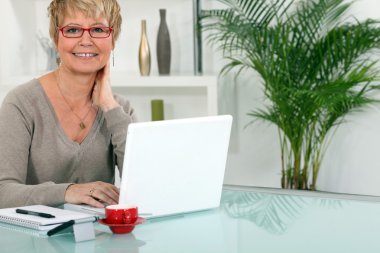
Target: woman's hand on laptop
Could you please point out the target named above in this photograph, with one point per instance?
(94, 194)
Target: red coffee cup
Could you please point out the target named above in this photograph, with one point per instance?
(121, 214)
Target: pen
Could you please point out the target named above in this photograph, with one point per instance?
(60, 227)
(45, 215)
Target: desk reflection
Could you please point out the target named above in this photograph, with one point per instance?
(271, 212)
(105, 242)
(64, 243)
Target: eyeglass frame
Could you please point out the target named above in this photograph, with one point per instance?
(84, 30)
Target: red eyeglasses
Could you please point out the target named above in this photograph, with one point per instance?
(77, 31)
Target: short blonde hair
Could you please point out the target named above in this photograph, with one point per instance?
(109, 9)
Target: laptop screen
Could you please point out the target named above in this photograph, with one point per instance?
(175, 166)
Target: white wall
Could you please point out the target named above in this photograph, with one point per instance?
(352, 162)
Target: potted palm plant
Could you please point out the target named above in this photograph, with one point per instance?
(316, 65)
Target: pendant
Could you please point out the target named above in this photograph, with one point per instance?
(82, 125)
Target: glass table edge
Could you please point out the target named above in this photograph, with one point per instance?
(302, 193)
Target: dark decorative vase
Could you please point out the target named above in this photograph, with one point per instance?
(163, 45)
(144, 51)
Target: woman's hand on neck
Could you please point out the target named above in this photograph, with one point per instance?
(80, 88)
(102, 95)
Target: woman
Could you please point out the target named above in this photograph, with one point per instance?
(63, 133)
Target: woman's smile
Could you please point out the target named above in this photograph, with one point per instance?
(85, 55)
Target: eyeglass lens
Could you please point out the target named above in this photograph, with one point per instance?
(77, 31)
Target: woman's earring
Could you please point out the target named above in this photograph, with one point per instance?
(58, 59)
(113, 60)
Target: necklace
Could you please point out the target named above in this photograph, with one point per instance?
(81, 124)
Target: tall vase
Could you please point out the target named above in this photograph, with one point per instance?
(144, 51)
(163, 45)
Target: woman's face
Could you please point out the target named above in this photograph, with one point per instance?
(84, 55)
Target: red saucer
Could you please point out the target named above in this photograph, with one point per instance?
(122, 228)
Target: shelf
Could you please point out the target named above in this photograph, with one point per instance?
(124, 79)
(186, 89)
(184, 96)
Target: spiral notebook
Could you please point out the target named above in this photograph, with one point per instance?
(9, 216)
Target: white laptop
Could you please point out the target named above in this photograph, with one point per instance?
(175, 166)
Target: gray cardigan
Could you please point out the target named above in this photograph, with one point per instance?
(38, 161)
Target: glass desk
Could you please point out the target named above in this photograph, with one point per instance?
(248, 221)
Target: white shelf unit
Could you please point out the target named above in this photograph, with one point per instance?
(184, 96)
(22, 57)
